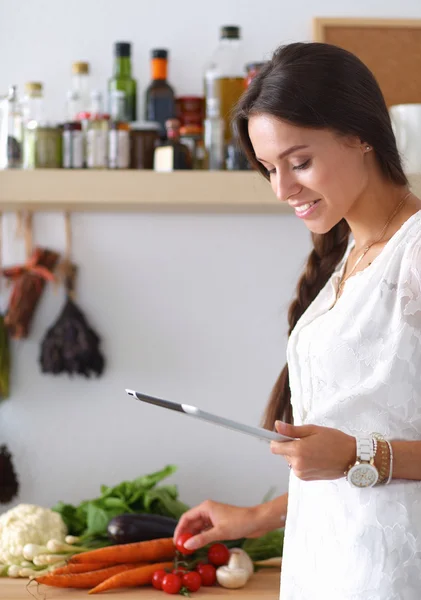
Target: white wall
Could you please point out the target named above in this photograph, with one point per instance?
(192, 307)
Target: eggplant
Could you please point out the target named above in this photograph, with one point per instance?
(140, 527)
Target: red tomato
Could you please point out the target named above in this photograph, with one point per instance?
(207, 573)
(171, 584)
(218, 555)
(157, 578)
(181, 540)
(192, 581)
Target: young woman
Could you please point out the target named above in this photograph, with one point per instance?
(314, 122)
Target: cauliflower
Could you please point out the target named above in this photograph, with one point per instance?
(27, 524)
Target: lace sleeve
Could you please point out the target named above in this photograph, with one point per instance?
(409, 284)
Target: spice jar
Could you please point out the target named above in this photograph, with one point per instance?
(73, 145)
(97, 142)
(190, 110)
(144, 136)
(42, 145)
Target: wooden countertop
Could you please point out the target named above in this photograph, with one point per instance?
(263, 585)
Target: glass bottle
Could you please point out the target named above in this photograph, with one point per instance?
(160, 99)
(33, 102)
(119, 133)
(11, 130)
(122, 79)
(171, 154)
(214, 135)
(224, 77)
(97, 141)
(79, 94)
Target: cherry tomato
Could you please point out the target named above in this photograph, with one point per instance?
(218, 555)
(181, 540)
(192, 581)
(171, 584)
(207, 573)
(157, 578)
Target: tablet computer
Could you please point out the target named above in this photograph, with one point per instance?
(194, 411)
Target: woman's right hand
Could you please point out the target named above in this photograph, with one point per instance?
(213, 521)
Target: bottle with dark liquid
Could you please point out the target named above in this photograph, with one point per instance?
(171, 154)
(160, 99)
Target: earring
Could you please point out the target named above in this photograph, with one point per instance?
(367, 148)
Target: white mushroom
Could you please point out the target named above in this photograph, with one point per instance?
(244, 560)
(237, 572)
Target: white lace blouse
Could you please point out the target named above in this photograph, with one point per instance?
(357, 367)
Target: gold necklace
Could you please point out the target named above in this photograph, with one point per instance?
(367, 248)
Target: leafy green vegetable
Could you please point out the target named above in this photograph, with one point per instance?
(268, 546)
(90, 519)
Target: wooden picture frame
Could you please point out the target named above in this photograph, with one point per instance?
(391, 48)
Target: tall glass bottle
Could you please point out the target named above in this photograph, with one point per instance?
(33, 102)
(214, 135)
(160, 98)
(122, 79)
(78, 95)
(224, 77)
(11, 130)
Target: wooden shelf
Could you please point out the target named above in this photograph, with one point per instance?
(125, 191)
(89, 190)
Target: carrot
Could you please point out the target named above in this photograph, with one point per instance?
(149, 551)
(82, 580)
(82, 568)
(132, 578)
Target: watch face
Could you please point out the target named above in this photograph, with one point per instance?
(363, 476)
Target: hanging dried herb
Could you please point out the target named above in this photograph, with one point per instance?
(9, 485)
(29, 282)
(71, 345)
(4, 360)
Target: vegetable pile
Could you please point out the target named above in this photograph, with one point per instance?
(124, 538)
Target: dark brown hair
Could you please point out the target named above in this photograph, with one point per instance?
(319, 86)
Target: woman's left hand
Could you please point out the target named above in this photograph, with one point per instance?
(317, 453)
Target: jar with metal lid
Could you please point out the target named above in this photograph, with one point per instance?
(42, 145)
(144, 136)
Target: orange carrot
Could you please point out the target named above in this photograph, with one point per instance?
(150, 551)
(82, 580)
(132, 578)
(82, 568)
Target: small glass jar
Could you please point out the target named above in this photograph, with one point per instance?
(144, 136)
(73, 145)
(42, 145)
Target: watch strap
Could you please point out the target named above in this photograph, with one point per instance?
(365, 450)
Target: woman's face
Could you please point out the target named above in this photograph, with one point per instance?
(309, 166)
